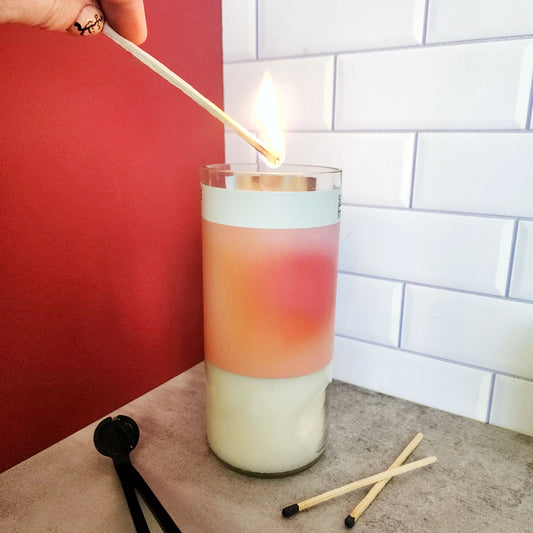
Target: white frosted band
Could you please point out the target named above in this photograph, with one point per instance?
(270, 209)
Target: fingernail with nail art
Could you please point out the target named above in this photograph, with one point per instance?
(90, 21)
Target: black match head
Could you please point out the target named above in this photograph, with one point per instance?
(290, 510)
(349, 521)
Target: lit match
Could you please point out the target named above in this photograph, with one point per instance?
(163, 71)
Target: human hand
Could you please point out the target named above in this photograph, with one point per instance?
(79, 17)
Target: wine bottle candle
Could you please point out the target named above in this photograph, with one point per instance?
(270, 247)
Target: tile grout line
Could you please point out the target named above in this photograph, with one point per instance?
(511, 259)
(429, 211)
(491, 396)
(403, 131)
(256, 30)
(530, 106)
(400, 131)
(257, 157)
(415, 46)
(434, 357)
(413, 170)
(396, 131)
(402, 311)
(435, 287)
(334, 100)
(425, 27)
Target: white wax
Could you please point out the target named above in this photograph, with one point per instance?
(267, 426)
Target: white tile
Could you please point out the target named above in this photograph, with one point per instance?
(522, 277)
(471, 86)
(238, 30)
(488, 332)
(456, 251)
(304, 89)
(376, 167)
(475, 172)
(454, 388)
(237, 150)
(368, 308)
(302, 27)
(450, 20)
(512, 404)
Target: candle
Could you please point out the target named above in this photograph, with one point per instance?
(267, 425)
(270, 246)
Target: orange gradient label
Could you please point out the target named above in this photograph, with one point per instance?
(269, 298)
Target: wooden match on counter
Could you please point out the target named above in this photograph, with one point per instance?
(324, 497)
(172, 78)
(377, 488)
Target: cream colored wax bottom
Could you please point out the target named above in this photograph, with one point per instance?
(267, 425)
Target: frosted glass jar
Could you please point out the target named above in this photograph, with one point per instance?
(270, 247)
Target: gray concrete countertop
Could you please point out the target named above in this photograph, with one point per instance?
(482, 482)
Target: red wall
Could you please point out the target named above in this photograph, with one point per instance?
(100, 287)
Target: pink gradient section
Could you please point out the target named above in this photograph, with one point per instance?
(269, 298)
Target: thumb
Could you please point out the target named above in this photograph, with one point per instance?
(81, 17)
(89, 21)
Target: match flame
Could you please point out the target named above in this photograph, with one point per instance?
(267, 115)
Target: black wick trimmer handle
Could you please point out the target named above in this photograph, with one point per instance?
(115, 438)
(164, 519)
(124, 474)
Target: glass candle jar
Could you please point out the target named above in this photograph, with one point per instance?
(270, 246)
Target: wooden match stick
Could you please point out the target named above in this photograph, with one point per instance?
(315, 500)
(191, 92)
(377, 488)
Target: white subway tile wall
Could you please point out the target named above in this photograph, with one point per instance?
(486, 332)
(304, 89)
(508, 393)
(300, 27)
(238, 151)
(488, 173)
(412, 377)
(438, 249)
(450, 20)
(380, 164)
(238, 27)
(479, 85)
(522, 280)
(376, 317)
(426, 106)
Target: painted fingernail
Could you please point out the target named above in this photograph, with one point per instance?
(90, 21)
